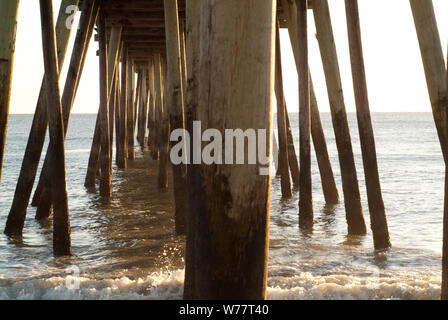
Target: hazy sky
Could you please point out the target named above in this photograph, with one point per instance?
(394, 69)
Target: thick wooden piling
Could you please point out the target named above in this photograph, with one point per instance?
(283, 164)
(434, 65)
(437, 83)
(329, 188)
(195, 196)
(175, 103)
(378, 220)
(122, 130)
(81, 45)
(352, 198)
(131, 115)
(61, 220)
(231, 251)
(164, 128)
(305, 196)
(36, 138)
(8, 27)
(105, 180)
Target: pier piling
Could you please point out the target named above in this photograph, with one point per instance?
(61, 220)
(352, 198)
(8, 27)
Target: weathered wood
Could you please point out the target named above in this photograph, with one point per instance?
(437, 83)
(122, 130)
(61, 220)
(305, 196)
(175, 104)
(164, 133)
(94, 159)
(112, 107)
(143, 109)
(130, 106)
(138, 104)
(444, 295)
(105, 180)
(444, 286)
(152, 111)
(320, 146)
(195, 195)
(8, 27)
(183, 57)
(378, 220)
(231, 251)
(283, 164)
(434, 66)
(36, 138)
(81, 46)
(352, 197)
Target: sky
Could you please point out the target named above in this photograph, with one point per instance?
(395, 76)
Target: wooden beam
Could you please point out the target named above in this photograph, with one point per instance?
(8, 26)
(174, 99)
(378, 220)
(61, 220)
(36, 138)
(352, 198)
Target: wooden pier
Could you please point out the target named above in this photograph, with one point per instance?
(164, 64)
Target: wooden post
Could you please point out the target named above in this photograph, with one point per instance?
(437, 83)
(112, 104)
(444, 287)
(143, 109)
(112, 57)
(320, 146)
(94, 156)
(61, 220)
(131, 115)
(175, 103)
(138, 104)
(105, 180)
(8, 27)
(194, 179)
(36, 139)
(444, 290)
(434, 65)
(81, 46)
(352, 197)
(283, 165)
(152, 111)
(378, 220)
(164, 127)
(231, 251)
(122, 132)
(306, 196)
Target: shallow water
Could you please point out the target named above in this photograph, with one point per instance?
(128, 249)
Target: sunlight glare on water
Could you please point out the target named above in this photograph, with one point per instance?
(128, 249)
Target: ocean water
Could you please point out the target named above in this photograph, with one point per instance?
(128, 249)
